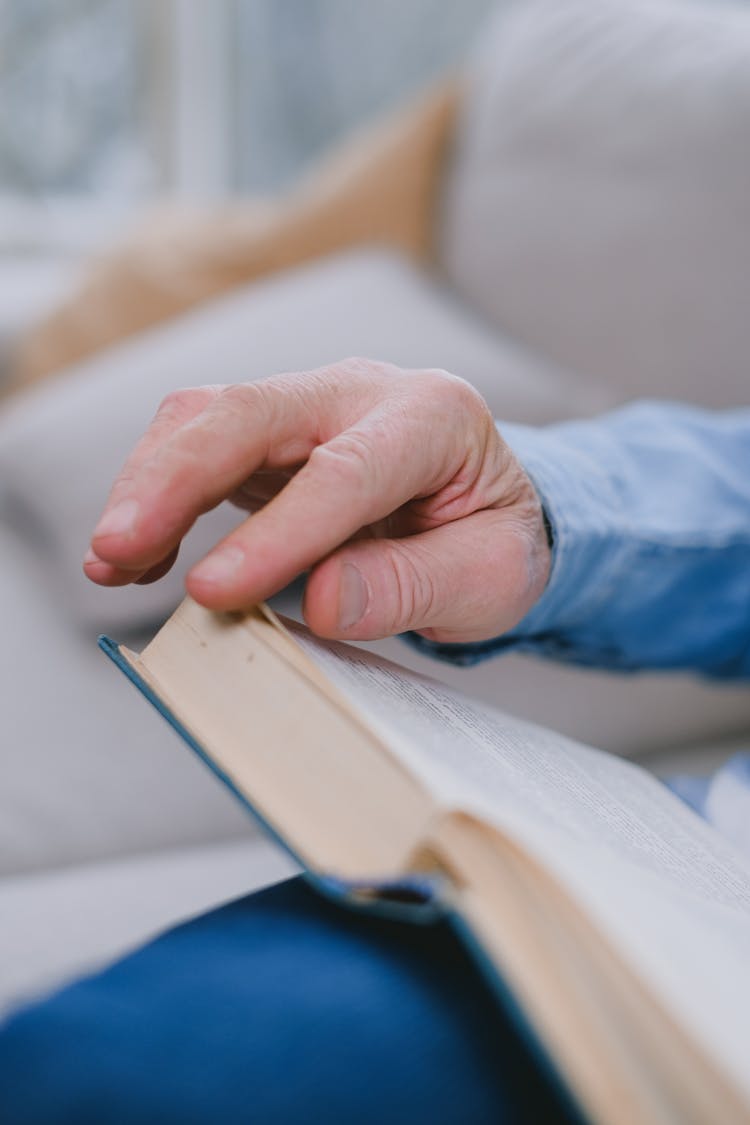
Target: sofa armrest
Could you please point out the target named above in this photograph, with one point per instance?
(378, 187)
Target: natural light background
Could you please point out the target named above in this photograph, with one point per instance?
(105, 104)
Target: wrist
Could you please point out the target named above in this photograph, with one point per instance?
(580, 504)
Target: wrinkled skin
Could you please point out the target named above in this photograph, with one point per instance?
(393, 488)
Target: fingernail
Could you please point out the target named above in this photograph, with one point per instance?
(220, 566)
(352, 597)
(90, 557)
(120, 520)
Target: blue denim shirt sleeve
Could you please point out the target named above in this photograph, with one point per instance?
(650, 511)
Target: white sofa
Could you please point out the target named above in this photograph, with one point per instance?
(595, 247)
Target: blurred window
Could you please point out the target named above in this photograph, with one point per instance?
(308, 70)
(72, 87)
(117, 100)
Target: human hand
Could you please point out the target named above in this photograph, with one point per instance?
(393, 487)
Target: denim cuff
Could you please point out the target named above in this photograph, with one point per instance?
(581, 504)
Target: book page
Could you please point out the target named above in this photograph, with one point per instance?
(668, 891)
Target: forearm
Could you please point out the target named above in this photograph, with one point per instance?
(377, 187)
(650, 511)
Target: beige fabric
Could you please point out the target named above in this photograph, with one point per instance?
(88, 768)
(598, 208)
(378, 188)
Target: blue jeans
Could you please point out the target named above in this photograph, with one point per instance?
(281, 1007)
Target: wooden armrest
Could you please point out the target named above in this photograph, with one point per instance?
(380, 187)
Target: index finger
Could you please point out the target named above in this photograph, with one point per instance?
(175, 474)
(359, 477)
(175, 411)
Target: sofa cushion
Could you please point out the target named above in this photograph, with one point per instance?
(31, 285)
(597, 208)
(62, 443)
(88, 769)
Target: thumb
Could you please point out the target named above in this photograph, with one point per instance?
(464, 581)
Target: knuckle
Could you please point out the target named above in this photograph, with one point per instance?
(348, 459)
(175, 402)
(456, 392)
(341, 377)
(243, 396)
(360, 369)
(357, 366)
(470, 400)
(414, 587)
(184, 401)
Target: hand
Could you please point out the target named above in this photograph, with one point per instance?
(393, 487)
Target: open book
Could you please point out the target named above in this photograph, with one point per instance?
(609, 918)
